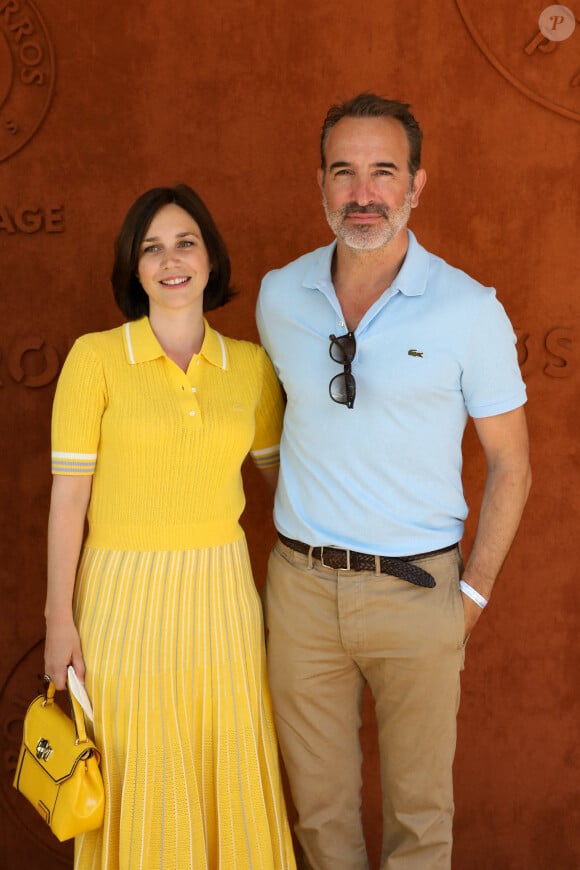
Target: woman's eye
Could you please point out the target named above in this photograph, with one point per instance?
(185, 243)
(151, 249)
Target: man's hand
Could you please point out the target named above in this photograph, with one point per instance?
(472, 613)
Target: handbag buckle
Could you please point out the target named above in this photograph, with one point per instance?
(43, 749)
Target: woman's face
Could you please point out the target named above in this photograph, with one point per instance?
(173, 265)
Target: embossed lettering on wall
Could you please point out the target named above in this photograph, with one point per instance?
(29, 361)
(34, 362)
(31, 219)
(535, 47)
(551, 351)
(26, 74)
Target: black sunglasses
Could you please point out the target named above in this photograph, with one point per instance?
(342, 387)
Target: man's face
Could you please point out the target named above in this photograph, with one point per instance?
(367, 191)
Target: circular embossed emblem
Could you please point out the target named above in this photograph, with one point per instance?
(512, 37)
(20, 688)
(26, 74)
(557, 23)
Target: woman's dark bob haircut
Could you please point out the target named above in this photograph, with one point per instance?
(129, 294)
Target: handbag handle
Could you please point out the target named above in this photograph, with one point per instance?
(78, 716)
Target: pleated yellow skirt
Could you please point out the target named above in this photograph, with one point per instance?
(174, 650)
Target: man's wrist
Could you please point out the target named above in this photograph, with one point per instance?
(472, 593)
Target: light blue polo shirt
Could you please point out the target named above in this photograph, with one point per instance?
(385, 476)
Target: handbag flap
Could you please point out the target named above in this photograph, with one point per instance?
(50, 737)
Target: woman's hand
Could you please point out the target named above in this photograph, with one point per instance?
(68, 507)
(63, 648)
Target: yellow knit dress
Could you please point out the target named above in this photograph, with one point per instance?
(168, 614)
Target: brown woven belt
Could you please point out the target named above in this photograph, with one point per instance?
(350, 560)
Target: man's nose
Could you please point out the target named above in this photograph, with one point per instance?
(362, 191)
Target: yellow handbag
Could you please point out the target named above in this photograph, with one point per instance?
(58, 767)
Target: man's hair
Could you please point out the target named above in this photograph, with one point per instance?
(372, 106)
(129, 294)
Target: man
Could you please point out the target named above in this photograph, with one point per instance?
(383, 351)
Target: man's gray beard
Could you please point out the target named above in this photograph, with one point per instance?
(367, 237)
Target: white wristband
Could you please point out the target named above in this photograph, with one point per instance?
(472, 593)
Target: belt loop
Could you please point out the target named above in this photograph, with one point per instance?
(377, 565)
(310, 565)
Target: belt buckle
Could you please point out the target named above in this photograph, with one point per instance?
(324, 565)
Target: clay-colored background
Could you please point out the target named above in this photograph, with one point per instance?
(229, 96)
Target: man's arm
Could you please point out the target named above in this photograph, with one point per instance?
(504, 439)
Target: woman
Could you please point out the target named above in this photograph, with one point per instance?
(151, 424)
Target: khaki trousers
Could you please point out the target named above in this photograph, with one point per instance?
(331, 631)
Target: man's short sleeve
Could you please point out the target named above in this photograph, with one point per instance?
(491, 379)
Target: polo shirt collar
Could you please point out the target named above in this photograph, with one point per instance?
(412, 277)
(141, 344)
(319, 277)
(411, 280)
(213, 348)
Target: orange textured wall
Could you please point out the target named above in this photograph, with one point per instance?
(99, 101)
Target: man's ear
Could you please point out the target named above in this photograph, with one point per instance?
(418, 184)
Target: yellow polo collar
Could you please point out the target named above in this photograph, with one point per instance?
(141, 345)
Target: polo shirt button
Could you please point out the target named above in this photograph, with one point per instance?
(192, 413)
(194, 389)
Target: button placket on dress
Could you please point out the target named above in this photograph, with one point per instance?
(189, 395)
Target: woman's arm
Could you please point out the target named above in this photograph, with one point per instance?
(270, 475)
(68, 508)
